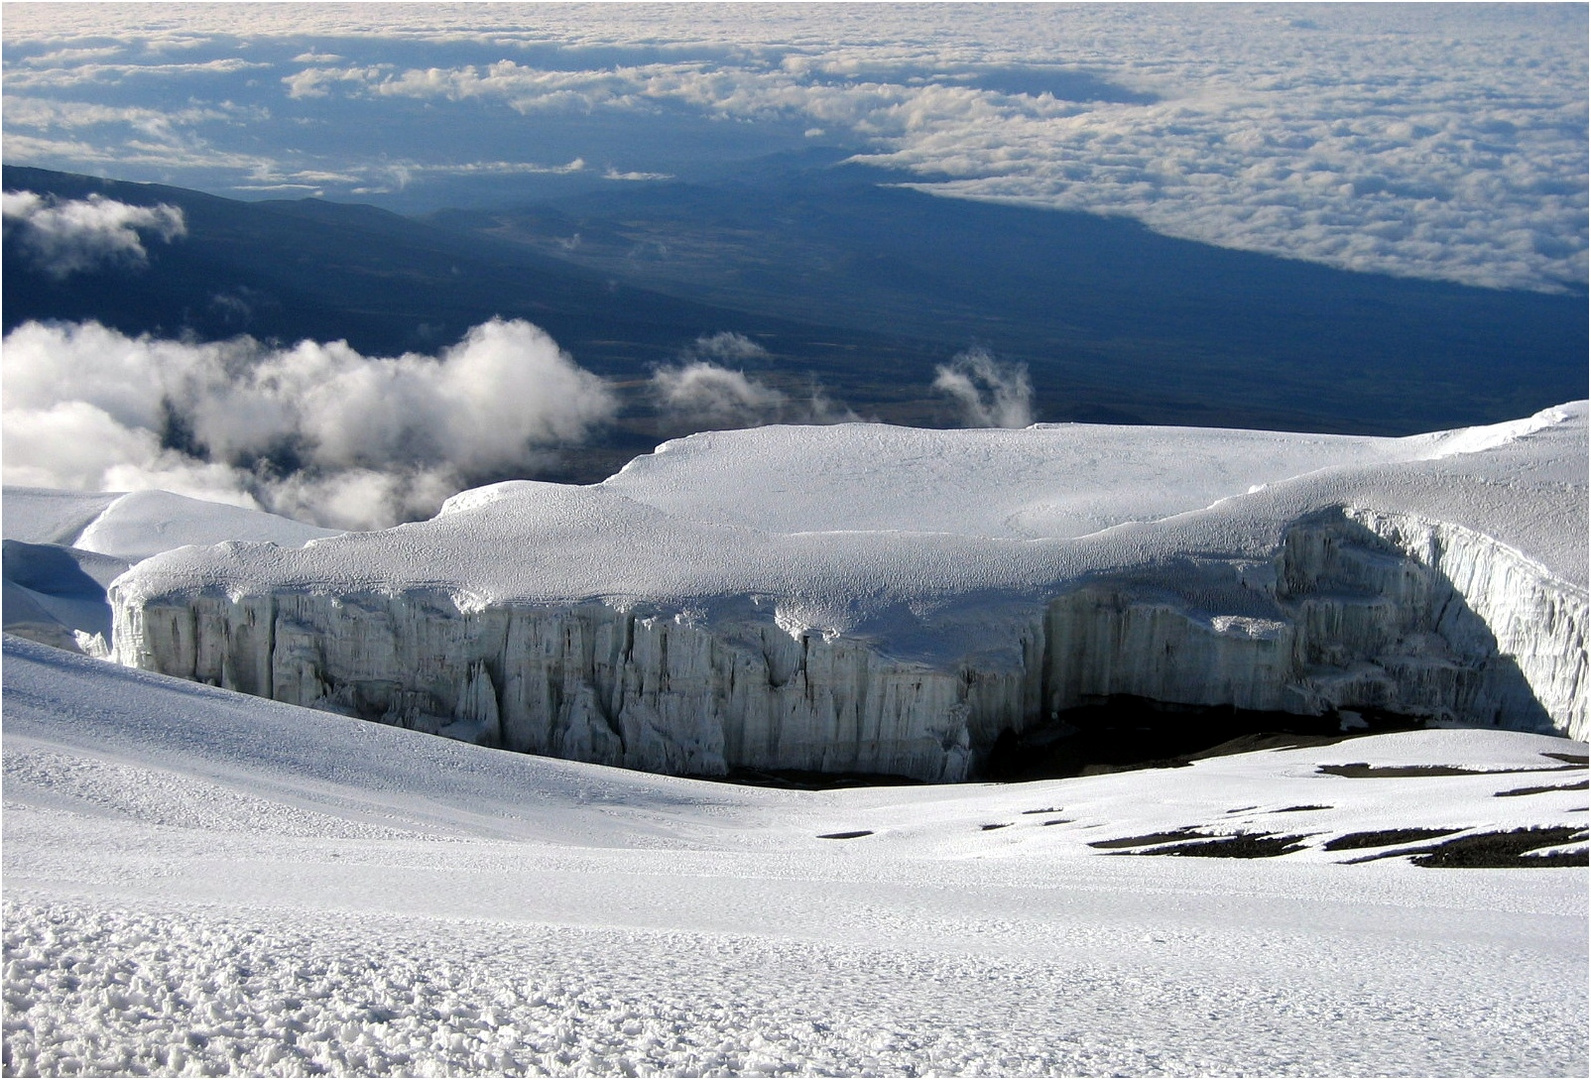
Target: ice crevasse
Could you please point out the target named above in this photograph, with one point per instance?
(865, 598)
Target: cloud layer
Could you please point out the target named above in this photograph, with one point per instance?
(1444, 141)
(322, 433)
(64, 238)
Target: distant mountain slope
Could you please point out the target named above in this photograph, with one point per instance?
(1082, 299)
(844, 280)
(291, 270)
(328, 271)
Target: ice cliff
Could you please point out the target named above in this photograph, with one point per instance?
(874, 599)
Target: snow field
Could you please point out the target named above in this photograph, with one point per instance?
(96, 988)
(135, 525)
(966, 514)
(204, 883)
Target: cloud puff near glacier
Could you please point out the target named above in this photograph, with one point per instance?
(315, 431)
(986, 392)
(1438, 141)
(322, 433)
(700, 392)
(64, 237)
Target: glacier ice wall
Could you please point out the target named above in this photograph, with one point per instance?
(587, 682)
(1357, 609)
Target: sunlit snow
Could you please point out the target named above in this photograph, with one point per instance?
(198, 880)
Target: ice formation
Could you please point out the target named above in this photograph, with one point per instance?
(877, 599)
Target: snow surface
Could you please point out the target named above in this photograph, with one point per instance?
(890, 600)
(137, 524)
(852, 520)
(201, 881)
(64, 547)
(1049, 480)
(49, 516)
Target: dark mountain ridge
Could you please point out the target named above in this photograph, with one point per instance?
(858, 285)
(1082, 299)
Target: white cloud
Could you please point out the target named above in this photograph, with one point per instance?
(319, 82)
(986, 392)
(497, 168)
(79, 75)
(727, 345)
(705, 394)
(117, 157)
(615, 174)
(74, 444)
(316, 430)
(1444, 141)
(64, 238)
(47, 113)
(700, 392)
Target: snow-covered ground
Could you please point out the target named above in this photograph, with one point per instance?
(62, 548)
(200, 881)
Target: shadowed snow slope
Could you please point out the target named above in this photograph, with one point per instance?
(138, 524)
(197, 879)
(62, 548)
(867, 598)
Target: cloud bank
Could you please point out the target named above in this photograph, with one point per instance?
(322, 433)
(1442, 141)
(64, 238)
(316, 431)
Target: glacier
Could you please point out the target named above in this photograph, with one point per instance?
(863, 598)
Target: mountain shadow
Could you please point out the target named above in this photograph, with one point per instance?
(1116, 322)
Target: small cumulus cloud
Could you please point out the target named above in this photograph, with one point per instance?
(986, 392)
(67, 237)
(316, 431)
(707, 394)
(728, 345)
(615, 174)
(702, 392)
(316, 82)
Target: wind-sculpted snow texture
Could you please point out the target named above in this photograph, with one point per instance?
(866, 598)
(202, 883)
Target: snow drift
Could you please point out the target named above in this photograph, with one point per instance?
(875, 599)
